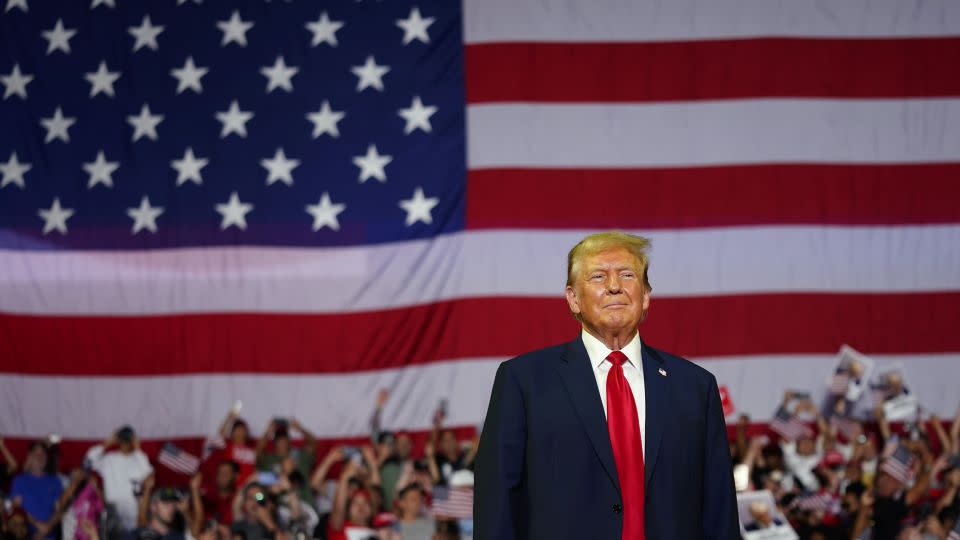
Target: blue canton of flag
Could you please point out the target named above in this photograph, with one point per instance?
(172, 124)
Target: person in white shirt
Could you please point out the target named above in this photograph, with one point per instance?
(122, 470)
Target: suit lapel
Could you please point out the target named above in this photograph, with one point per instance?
(655, 387)
(581, 384)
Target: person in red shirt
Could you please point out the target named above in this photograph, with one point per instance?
(354, 509)
(234, 440)
(218, 501)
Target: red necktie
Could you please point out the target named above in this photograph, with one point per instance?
(623, 423)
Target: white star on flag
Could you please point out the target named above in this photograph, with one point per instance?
(145, 216)
(58, 37)
(417, 116)
(324, 30)
(370, 74)
(13, 171)
(234, 120)
(279, 75)
(188, 77)
(100, 171)
(234, 212)
(372, 165)
(55, 218)
(325, 120)
(189, 167)
(415, 27)
(102, 80)
(280, 168)
(325, 213)
(145, 34)
(145, 124)
(57, 126)
(15, 83)
(418, 207)
(108, 3)
(22, 4)
(234, 30)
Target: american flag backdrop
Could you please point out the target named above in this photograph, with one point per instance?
(296, 203)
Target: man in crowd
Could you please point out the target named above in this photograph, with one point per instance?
(413, 521)
(279, 432)
(254, 513)
(38, 491)
(162, 521)
(122, 470)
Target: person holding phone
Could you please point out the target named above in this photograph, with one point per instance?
(272, 460)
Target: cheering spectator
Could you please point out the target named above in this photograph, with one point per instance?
(233, 439)
(413, 521)
(393, 452)
(38, 491)
(354, 507)
(15, 524)
(218, 503)
(279, 432)
(7, 467)
(801, 456)
(163, 517)
(122, 470)
(447, 458)
(254, 513)
(86, 504)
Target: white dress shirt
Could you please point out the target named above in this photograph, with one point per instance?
(632, 371)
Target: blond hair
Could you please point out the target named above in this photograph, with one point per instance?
(606, 241)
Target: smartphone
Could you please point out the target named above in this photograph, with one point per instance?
(237, 405)
(266, 478)
(351, 453)
(54, 439)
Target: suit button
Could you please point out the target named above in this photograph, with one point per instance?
(617, 509)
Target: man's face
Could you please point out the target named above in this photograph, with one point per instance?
(404, 446)
(806, 446)
(163, 511)
(281, 445)
(411, 502)
(448, 442)
(360, 511)
(850, 503)
(226, 478)
(887, 486)
(239, 434)
(36, 459)
(250, 502)
(608, 292)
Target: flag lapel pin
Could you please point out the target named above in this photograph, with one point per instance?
(662, 372)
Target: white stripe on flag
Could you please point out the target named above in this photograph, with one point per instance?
(687, 134)
(340, 405)
(306, 280)
(657, 20)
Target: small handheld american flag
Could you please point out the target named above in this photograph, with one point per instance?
(452, 502)
(787, 425)
(899, 463)
(178, 460)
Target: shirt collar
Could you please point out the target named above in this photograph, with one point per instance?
(598, 351)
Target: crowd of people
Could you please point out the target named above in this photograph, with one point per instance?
(247, 489)
(851, 479)
(828, 481)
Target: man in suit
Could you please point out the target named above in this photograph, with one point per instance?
(604, 437)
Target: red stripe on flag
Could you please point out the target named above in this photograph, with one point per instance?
(467, 328)
(714, 69)
(714, 196)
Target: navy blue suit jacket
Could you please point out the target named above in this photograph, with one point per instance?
(545, 467)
